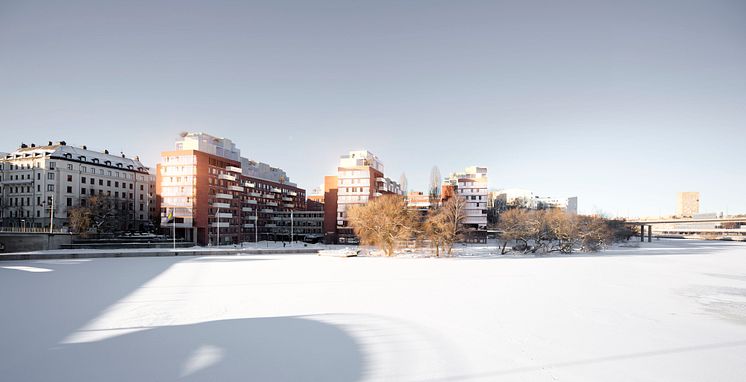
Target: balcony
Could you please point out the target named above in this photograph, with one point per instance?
(270, 225)
(293, 193)
(226, 215)
(267, 210)
(285, 198)
(288, 205)
(276, 190)
(248, 225)
(255, 194)
(272, 204)
(220, 225)
(250, 201)
(235, 188)
(234, 169)
(247, 209)
(224, 196)
(250, 185)
(221, 205)
(227, 177)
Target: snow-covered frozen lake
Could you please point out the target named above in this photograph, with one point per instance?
(667, 311)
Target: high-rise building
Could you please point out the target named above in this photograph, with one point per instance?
(359, 178)
(471, 185)
(37, 182)
(687, 203)
(216, 196)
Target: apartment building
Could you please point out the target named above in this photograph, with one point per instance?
(39, 184)
(471, 185)
(360, 177)
(216, 196)
(687, 203)
(516, 197)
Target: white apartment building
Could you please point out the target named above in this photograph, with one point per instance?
(527, 199)
(206, 143)
(38, 181)
(471, 185)
(359, 178)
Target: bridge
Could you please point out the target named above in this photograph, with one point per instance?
(649, 223)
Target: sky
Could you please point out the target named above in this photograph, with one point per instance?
(620, 103)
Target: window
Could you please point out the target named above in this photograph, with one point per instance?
(100, 182)
(52, 165)
(82, 180)
(93, 181)
(50, 187)
(38, 176)
(69, 202)
(82, 190)
(69, 178)
(69, 189)
(50, 175)
(116, 184)
(70, 167)
(108, 183)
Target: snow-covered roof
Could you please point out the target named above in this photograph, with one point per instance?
(79, 154)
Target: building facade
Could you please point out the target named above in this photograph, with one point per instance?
(360, 178)
(40, 184)
(687, 204)
(471, 185)
(215, 196)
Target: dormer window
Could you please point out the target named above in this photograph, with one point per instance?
(108, 163)
(119, 165)
(129, 167)
(68, 156)
(94, 160)
(82, 158)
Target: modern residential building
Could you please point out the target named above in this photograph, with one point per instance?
(39, 184)
(216, 196)
(360, 177)
(298, 225)
(471, 185)
(516, 197)
(687, 203)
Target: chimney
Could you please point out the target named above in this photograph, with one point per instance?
(33, 145)
(122, 154)
(85, 147)
(50, 143)
(23, 145)
(106, 151)
(63, 143)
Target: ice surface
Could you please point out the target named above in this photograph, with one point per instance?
(667, 310)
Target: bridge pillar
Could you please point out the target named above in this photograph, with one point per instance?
(642, 233)
(650, 234)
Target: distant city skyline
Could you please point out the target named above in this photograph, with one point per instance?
(620, 104)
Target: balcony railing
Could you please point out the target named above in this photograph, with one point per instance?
(227, 177)
(250, 201)
(255, 194)
(236, 188)
(233, 169)
(221, 224)
(221, 205)
(227, 215)
(248, 225)
(224, 196)
(247, 209)
(273, 204)
(285, 198)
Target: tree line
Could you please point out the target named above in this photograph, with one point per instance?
(386, 221)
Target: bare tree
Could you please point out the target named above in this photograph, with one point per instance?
(79, 219)
(450, 222)
(383, 222)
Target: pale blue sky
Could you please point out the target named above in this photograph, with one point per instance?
(622, 103)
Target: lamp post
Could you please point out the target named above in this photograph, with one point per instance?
(291, 227)
(51, 215)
